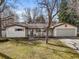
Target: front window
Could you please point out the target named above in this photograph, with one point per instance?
(38, 30)
(18, 29)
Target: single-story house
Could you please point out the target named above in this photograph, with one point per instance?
(38, 30)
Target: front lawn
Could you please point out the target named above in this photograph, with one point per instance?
(36, 50)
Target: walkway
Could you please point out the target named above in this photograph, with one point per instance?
(73, 43)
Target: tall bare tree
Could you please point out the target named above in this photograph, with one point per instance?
(34, 13)
(51, 7)
(40, 19)
(72, 11)
(2, 6)
(27, 15)
(74, 4)
(30, 14)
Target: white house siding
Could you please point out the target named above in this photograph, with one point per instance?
(10, 31)
(68, 31)
(3, 33)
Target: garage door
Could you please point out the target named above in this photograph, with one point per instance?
(65, 32)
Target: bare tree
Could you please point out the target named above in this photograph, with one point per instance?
(40, 19)
(3, 4)
(37, 15)
(74, 4)
(27, 15)
(30, 14)
(51, 7)
(34, 13)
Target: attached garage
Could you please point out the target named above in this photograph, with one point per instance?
(65, 30)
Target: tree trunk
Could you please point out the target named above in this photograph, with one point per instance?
(0, 27)
(47, 36)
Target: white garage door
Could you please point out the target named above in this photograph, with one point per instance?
(65, 32)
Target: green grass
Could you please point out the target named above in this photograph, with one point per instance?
(36, 50)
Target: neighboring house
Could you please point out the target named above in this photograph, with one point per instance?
(65, 30)
(39, 30)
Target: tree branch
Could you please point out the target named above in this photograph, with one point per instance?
(55, 14)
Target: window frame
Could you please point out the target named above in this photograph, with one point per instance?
(19, 29)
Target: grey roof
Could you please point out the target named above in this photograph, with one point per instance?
(27, 25)
(14, 24)
(34, 25)
(37, 25)
(56, 25)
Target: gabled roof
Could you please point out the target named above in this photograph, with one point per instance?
(56, 25)
(35, 25)
(63, 25)
(15, 25)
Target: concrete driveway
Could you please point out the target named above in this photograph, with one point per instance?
(73, 43)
